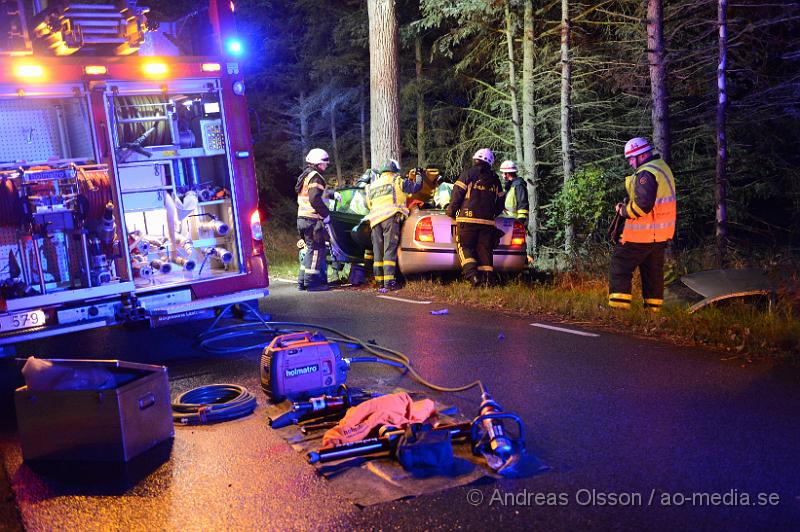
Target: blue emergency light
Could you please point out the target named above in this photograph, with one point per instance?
(234, 47)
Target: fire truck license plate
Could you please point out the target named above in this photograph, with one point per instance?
(22, 320)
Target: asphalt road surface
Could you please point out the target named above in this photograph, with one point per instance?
(638, 434)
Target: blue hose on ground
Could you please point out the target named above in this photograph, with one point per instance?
(251, 328)
(213, 404)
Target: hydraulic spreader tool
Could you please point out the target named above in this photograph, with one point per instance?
(501, 447)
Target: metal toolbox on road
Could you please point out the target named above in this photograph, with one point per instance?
(114, 424)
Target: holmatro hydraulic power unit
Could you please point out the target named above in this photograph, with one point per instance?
(301, 365)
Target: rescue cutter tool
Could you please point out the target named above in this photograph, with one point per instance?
(490, 437)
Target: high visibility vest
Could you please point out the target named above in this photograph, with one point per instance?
(304, 208)
(510, 208)
(659, 224)
(385, 198)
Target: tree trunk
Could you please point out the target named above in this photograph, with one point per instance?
(363, 124)
(566, 112)
(421, 159)
(722, 142)
(529, 130)
(658, 77)
(512, 79)
(383, 74)
(302, 100)
(335, 145)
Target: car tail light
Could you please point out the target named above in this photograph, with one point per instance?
(256, 232)
(518, 235)
(423, 232)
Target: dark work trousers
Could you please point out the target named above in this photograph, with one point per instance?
(314, 269)
(649, 258)
(475, 244)
(385, 239)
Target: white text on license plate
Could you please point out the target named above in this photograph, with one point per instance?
(22, 320)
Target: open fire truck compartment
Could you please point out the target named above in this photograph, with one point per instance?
(127, 183)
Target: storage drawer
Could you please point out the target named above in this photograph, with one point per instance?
(143, 201)
(143, 176)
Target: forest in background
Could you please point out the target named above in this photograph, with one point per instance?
(307, 72)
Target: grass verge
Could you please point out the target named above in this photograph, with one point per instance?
(280, 247)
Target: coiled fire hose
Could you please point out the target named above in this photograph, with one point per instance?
(213, 404)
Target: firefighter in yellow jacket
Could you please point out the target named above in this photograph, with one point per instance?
(386, 198)
(516, 193)
(650, 213)
(312, 217)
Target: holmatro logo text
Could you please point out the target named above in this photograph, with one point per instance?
(305, 370)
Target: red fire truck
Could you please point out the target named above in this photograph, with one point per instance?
(127, 181)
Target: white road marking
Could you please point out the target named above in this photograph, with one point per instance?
(406, 300)
(561, 329)
(283, 280)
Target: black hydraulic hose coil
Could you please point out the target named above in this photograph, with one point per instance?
(214, 403)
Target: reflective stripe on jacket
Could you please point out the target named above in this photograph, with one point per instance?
(387, 195)
(305, 209)
(657, 225)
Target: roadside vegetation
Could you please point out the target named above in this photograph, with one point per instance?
(745, 329)
(280, 246)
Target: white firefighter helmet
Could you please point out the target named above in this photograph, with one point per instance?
(317, 156)
(485, 155)
(637, 146)
(508, 167)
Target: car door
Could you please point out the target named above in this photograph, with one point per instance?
(350, 233)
